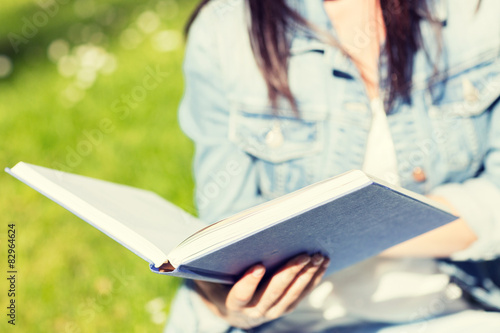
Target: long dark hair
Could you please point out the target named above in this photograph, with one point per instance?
(272, 19)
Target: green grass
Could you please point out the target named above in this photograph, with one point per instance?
(71, 277)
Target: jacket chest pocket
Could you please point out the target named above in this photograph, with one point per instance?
(285, 147)
(460, 113)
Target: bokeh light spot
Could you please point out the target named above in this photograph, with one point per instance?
(167, 9)
(148, 22)
(159, 318)
(167, 40)
(156, 309)
(130, 38)
(67, 66)
(110, 64)
(84, 8)
(73, 94)
(57, 49)
(5, 66)
(85, 78)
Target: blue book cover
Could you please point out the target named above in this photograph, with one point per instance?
(348, 230)
(349, 218)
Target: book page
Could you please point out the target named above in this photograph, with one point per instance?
(132, 216)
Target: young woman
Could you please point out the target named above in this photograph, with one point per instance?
(281, 94)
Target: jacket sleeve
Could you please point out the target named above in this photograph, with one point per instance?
(477, 200)
(225, 176)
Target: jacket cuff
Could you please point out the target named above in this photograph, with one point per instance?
(477, 201)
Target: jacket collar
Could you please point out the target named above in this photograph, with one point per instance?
(314, 11)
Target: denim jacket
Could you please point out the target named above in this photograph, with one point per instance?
(447, 140)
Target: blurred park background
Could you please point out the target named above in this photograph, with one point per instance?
(76, 94)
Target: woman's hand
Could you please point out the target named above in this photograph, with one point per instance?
(250, 303)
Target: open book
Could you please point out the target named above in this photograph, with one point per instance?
(349, 218)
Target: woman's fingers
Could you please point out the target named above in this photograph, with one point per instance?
(249, 303)
(312, 284)
(298, 288)
(243, 291)
(279, 283)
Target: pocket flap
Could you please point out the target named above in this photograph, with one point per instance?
(302, 44)
(470, 93)
(277, 137)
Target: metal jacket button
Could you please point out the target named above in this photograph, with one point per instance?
(274, 138)
(471, 94)
(419, 175)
